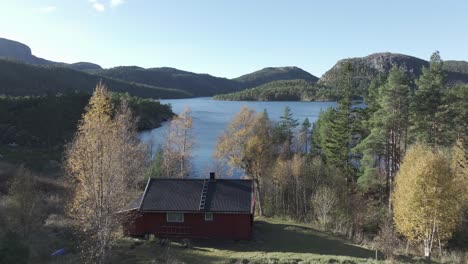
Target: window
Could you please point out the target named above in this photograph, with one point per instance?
(175, 217)
(208, 216)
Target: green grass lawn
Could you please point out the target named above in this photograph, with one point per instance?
(274, 241)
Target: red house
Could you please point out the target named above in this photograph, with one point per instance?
(193, 208)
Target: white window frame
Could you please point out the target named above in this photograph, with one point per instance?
(177, 219)
(208, 218)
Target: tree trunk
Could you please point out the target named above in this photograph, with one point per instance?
(259, 199)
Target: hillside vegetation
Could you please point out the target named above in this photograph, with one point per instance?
(19, 79)
(286, 90)
(270, 74)
(49, 121)
(194, 83)
(456, 66)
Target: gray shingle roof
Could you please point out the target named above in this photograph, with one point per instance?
(224, 195)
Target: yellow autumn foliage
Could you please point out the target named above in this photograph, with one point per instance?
(103, 162)
(426, 198)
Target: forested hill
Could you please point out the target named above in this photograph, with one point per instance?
(20, 79)
(270, 74)
(194, 83)
(10, 49)
(367, 68)
(286, 90)
(456, 66)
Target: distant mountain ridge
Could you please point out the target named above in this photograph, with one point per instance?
(21, 79)
(203, 84)
(10, 49)
(194, 83)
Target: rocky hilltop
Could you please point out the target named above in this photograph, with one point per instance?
(368, 67)
(13, 50)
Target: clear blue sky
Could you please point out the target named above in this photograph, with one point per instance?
(231, 38)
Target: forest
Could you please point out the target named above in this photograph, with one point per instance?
(284, 90)
(38, 127)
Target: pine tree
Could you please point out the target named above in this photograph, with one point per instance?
(394, 113)
(304, 134)
(386, 143)
(338, 142)
(321, 129)
(428, 113)
(457, 113)
(285, 126)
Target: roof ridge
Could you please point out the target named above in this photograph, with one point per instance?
(144, 193)
(199, 179)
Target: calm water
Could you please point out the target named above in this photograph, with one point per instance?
(211, 117)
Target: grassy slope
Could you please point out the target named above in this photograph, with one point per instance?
(274, 240)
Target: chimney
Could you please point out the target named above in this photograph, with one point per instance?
(212, 176)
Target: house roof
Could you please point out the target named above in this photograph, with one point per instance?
(222, 195)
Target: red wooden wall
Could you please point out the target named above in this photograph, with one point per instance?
(223, 226)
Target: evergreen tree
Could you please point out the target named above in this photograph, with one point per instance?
(304, 134)
(384, 147)
(457, 117)
(372, 98)
(338, 142)
(427, 109)
(284, 131)
(321, 129)
(286, 125)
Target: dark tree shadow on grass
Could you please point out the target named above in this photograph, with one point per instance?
(272, 237)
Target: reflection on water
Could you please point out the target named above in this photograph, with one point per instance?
(211, 117)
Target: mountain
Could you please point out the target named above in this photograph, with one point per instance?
(270, 74)
(456, 66)
(369, 67)
(283, 90)
(194, 83)
(83, 66)
(10, 49)
(20, 79)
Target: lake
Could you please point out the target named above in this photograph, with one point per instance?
(211, 117)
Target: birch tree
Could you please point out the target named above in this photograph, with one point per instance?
(427, 201)
(103, 162)
(247, 145)
(178, 146)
